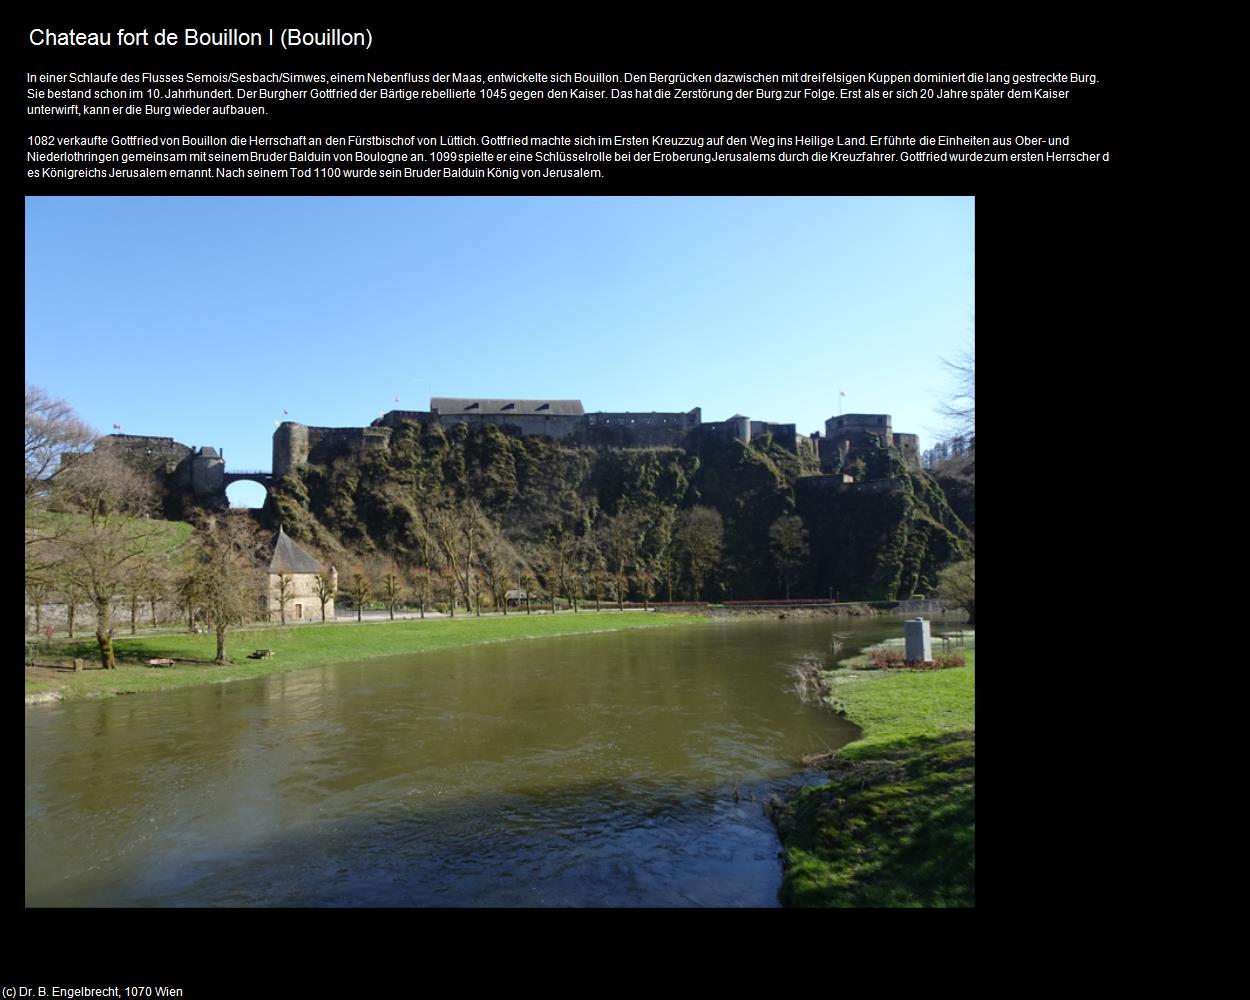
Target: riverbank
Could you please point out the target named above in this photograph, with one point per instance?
(303, 646)
(896, 825)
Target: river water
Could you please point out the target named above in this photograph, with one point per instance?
(617, 769)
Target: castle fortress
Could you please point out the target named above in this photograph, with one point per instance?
(567, 420)
(201, 472)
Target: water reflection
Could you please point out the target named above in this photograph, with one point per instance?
(587, 771)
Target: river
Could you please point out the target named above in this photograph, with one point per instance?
(618, 769)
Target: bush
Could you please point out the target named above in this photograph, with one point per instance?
(895, 659)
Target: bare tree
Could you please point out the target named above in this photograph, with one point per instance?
(479, 588)
(528, 583)
(285, 584)
(419, 578)
(52, 433)
(188, 589)
(451, 581)
(325, 586)
(228, 576)
(619, 545)
(72, 596)
(498, 558)
(391, 587)
(156, 586)
(598, 579)
(360, 590)
(134, 598)
(459, 531)
(557, 565)
(108, 537)
(38, 590)
(960, 405)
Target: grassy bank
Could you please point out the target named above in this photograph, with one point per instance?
(307, 646)
(896, 826)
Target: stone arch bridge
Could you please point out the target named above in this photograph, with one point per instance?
(185, 476)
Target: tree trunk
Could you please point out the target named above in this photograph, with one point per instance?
(359, 613)
(154, 622)
(69, 619)
(221, 644)
(134, 615)
(104, 637)
(392, 612)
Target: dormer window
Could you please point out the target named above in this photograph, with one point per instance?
(508, 406)
(471, 406)
(545, 406)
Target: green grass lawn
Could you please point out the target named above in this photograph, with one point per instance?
(312, 645)
(896, 826)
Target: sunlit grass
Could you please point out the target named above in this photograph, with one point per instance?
(313, 645)
(897, 824)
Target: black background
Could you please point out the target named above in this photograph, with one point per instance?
(1050, 247)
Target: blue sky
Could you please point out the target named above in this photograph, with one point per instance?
(203, 319)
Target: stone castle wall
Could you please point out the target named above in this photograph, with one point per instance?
(603, 429)
(295, 444)
(909, 446)
(783, 434)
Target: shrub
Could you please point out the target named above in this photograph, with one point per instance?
(895, 659)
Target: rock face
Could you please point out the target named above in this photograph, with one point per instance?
(882, 537)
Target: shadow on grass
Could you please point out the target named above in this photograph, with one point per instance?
(896, 827)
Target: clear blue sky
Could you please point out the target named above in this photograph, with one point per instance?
(203, 319)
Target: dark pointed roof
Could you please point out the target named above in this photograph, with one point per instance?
(290, 558)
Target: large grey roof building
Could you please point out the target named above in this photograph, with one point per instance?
(451, 405)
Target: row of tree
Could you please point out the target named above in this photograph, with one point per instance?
(460, 557)
(91, 538)
(463, 558)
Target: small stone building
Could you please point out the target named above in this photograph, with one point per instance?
(299, 570)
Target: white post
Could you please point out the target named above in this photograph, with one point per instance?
(919, 644)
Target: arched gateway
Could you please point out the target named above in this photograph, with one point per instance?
(183, 474)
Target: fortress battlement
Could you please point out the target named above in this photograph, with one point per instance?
(200, 474)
